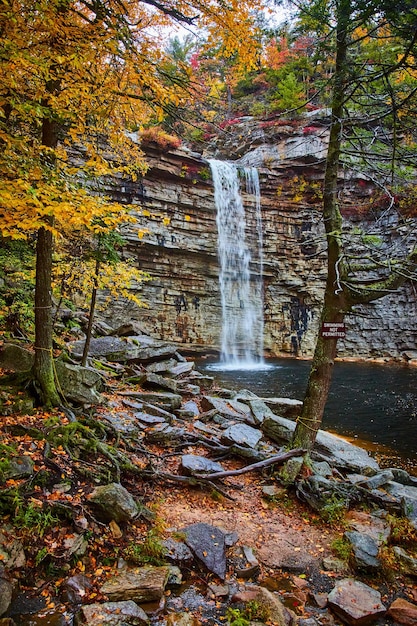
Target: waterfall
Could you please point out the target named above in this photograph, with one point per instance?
(240, 260)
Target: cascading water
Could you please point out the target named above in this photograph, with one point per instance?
(240, 259)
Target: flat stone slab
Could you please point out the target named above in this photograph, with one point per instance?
(166, 399)
(208, 544)
(242, 435)
(193, 464)
(140, 584)
(227, 408)
(328, 447)
(356, 603)
(113, 614)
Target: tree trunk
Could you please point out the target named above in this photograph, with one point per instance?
(43, 369)
(335, 301)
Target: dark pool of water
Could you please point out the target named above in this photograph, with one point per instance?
(371, 402)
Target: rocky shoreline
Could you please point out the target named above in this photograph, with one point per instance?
(163, 422)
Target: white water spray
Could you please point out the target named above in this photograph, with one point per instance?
(240, 259)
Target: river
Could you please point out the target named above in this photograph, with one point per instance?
(373, 404)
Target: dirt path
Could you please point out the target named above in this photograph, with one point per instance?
(283, 533)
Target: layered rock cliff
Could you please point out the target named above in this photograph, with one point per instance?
(175, 240)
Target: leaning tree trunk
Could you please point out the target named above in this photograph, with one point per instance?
(43, 369)
(335, 302)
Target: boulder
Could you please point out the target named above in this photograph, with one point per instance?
(140, 584)
(407, 496)
(193, 464)
(355, 603)
(207, 542)
(227, 408)
(79, 384)
(365, 550)
(241, 435)
(15, 358)
(328, 447)
(403, 612)
(156, 381)
(114, 502)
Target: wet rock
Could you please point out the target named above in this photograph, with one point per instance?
(322, 468)
(114, 502)
(272, 492)
(241, 435)
(207, 542)
(408, 563)
(149, 420)
(148, 353)
(259, 410)
(126, 613)
(192, 464)
(403, 612)
(219, 591)
(356, 603)
(365, 550)
(141, 584)
(287, 407)
(76, 588)
(79, 384)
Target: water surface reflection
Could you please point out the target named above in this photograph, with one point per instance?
(376, 403)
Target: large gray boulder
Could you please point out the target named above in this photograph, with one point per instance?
(16, 358)
(328, 447)
(79, 384)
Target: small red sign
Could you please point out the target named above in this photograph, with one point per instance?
(333, 329)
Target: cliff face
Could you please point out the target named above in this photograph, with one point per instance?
(177, 245)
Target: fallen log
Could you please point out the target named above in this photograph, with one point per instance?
(277, 459)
